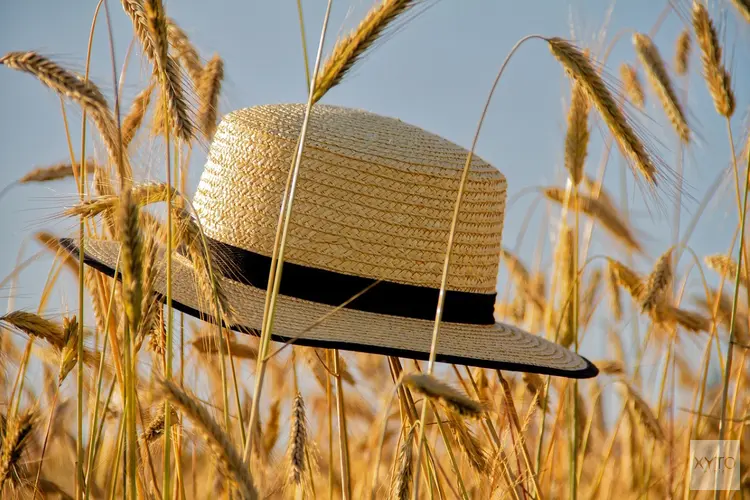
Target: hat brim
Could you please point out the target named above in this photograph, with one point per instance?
(498, 346)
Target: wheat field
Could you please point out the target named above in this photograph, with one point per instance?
(119, 396)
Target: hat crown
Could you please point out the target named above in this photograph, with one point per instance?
(375, 196)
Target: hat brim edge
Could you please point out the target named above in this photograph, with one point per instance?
(589, 371)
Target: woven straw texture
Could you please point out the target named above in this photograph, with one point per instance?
(374, 198)
(467, 344)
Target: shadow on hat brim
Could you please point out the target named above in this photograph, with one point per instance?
(586, 369)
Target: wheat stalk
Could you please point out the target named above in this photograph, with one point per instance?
(209, 88)
(131, 253)
(151, 28)
(189, 233)
(401, 489)
(565, 265)
(218, 441)
(79, 90)
(17, 437)
(579, 67)
(632, 85)
(725, 266)
(46, 174)
(141, 194)
(627, 278)
(449, 397)
(469, 443)
(298, 442)
(271, 431)
(590, 297)
(522, 278)
(657, 281)
(184, 51)
(682, 53)
(69, 352)
(52, 243)
(352, 47)
(689, 320)
(611, 367)
(657, 74)
(210, 344)
(36, 326)
(644, 413)
(134, 118)
(535, 385)
(605, 214)
(613, 288)
(717, 77)
(577, 136)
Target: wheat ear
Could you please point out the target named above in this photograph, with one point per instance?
(632, 85)
(401, 489)
(352, 47)
(134, 118)
(577, 136)
(605, 214)
(449, 397)
(717, 77)
(657, 74)
(217, 440)
(579, 67)
(682, 53)
(81, 91)
(209, 88)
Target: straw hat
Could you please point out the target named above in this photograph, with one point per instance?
(374, 201)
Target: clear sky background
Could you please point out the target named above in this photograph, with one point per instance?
(434, 73)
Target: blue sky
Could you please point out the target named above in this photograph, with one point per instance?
(435, 73)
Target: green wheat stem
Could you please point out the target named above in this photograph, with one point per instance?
(100, 378)
(116, 465)
(81, 286)
(574, 406)
(735, 299)
(167, 477)
(304, 43)
(279, 247)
